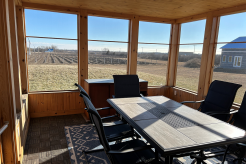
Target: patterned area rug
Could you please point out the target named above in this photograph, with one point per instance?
(84, 137)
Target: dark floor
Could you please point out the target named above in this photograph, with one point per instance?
(46, 141)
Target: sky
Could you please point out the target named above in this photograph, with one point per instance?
(60, 25)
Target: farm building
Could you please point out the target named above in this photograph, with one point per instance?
(233, 55)
(150, 38)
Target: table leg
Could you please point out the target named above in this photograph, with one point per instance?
(168, 159)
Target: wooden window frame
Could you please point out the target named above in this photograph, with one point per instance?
(26, 46)
(169, 44)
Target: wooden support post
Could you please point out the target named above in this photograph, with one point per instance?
(22, 48)
(173, 55)
(133, 46)
(7, 96)
(15, 55)
(83, 46)
(208, 55)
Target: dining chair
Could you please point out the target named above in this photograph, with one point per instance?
(129, 152)
(219, 99)
(126, 86)
(238, 149)
(238, 120)
(115, 130)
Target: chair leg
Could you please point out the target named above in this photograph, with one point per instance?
(168, 160)
(85, 157)
(93, 150)
(224, 157)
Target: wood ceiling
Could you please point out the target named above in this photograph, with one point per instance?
(171, 9)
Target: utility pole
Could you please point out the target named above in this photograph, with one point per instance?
(29, 47)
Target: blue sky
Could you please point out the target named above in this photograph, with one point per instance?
(60, 25)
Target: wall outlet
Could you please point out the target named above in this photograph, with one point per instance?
(175, 92)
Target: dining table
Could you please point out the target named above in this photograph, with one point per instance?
(173, 128)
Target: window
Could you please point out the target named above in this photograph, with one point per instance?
(224, 58)
(232, 43)
(52, 61)
(153, 46)
(107, 47)
(190, 53)
(237, 61)
(230, 59)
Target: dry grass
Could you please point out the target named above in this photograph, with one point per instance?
(62, 77)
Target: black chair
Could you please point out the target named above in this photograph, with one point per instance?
(126, 86)
(129, 152)
(219, 99)
(239, 120)
(239, 149)
(115, 131)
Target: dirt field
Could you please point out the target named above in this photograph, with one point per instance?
(62, 77)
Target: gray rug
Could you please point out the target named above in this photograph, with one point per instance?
(84, 137)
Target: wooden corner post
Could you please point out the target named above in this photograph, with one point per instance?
(133, 46)
(83, 46)
(208, 55)
(22, 48)
(7, 96)
(173, 55)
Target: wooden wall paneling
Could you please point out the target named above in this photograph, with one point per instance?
(56, 103)
(173, 54)
(18, 2)
(192, 18)
(156, 19)
(46, 7)
(155, 91)
(7, 97)
(230, 10)
(109, 14)
(83, 46)
(133, 46)
(22, 48)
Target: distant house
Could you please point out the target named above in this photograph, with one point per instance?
(233, 55)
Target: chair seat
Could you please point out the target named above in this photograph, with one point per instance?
(118, 132)
(136, 157)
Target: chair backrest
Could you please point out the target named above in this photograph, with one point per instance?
(82, 91)
(126, 86)
(239, 118)
(97, 122)
(220, 97)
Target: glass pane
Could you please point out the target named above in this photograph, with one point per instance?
(52, 64)
(100, 28)
(234, 71)
(192, 32)
(106, 59)
(150, 32)
(189, 63)
(152, 63)
(232, 27)
(50, 24)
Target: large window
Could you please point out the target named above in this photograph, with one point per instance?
(52, 61)
(190, 53)
(232, 44)
(153, 46)
(108, 47)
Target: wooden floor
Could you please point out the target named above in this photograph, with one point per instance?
(46, 142)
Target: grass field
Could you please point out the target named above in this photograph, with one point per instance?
(62, 77)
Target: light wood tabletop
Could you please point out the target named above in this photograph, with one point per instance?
(174, 128)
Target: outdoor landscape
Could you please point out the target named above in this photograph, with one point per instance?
(59, 70)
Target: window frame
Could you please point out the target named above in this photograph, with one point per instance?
(224, 58)
(230, 57)
(236, 60)
(40, 37)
